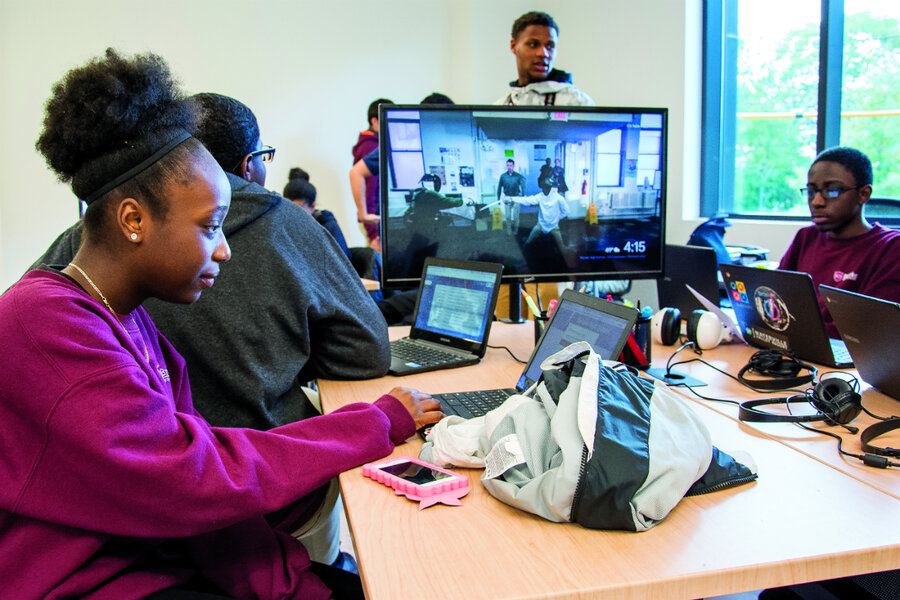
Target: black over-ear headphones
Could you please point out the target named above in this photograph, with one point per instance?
(837, 401)
(873, 431)
(781, 369)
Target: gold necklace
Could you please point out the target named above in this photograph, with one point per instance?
(114, 314)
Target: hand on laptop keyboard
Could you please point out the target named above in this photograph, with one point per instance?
(424, 409)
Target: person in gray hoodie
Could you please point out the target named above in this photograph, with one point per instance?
(286, 309)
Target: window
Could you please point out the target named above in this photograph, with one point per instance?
(407, 162)
(649, 154)
(609, 158)
(784, 80)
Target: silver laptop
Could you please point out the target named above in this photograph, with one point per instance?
(871, 329)
(452, 318)
(578, 317)
(780, 309)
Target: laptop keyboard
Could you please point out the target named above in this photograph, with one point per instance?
(411, 352)
(473, 404)
(840, 352)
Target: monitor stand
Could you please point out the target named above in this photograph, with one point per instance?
(515, 304)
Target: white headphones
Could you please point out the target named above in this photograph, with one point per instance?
(701, 327)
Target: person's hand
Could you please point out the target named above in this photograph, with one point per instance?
(424, 409)
(368, 218)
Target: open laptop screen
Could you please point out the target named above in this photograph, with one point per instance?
(455, 302)
(605, 330)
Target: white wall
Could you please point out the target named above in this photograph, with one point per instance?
(309, 70)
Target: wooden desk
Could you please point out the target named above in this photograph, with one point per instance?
(803, 520)
(730, 357)
(370, 284)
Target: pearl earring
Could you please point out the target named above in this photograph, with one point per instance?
(133, 237)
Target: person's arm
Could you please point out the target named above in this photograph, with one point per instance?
(536, 199)
(118, 461)
(110, 448)
(358, 175)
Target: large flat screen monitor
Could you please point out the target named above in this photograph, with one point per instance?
(552, 193)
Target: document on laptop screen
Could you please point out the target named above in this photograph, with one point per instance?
(458, 310)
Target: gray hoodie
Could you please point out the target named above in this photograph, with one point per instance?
(287, 308)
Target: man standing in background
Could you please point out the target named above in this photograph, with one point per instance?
(534, 41)
(511, 182)
(534, 37)
(559, 178)
(367, 204)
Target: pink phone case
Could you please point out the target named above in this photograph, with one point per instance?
(446, 491)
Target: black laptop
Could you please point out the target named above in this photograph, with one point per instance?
(871, 329)
(696, 266)
(780, 309)
(452, 318)
(578, 317)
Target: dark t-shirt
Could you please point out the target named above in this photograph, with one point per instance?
(867, 264)
(371, 160)
(511, 185)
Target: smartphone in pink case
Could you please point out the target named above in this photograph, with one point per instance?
(418, 480)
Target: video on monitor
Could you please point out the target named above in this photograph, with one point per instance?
(552, 193)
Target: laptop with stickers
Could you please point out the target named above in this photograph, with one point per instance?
(452, 318)
(780, 309)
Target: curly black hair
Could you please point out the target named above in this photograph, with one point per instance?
(851, 159)
(227, 127)
(298, 187)
(533, 18)
(108, 116)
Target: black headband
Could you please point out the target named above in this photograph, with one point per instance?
(139, 168)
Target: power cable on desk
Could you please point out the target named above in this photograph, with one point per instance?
(711, 399)
(510, 353)
(670, 364)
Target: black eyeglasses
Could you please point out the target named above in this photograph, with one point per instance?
(267, 153)
(829, 193)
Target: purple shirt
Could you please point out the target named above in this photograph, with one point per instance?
(867, 264)
(365, 145)
(105, 460)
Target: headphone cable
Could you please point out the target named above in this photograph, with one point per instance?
(871, 460)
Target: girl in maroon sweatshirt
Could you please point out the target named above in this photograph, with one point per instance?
(113, 485)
